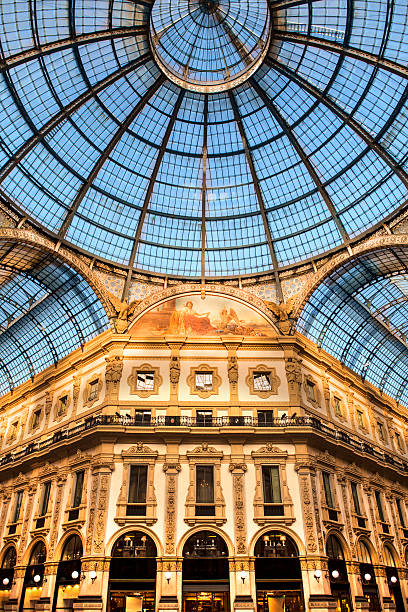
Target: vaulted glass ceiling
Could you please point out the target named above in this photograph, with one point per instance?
(201, 138)
(359, 314)
(46, 311)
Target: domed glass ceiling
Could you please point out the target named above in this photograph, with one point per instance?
(204, 138)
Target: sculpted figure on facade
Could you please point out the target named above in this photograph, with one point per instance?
(174, 369)
(283, 312)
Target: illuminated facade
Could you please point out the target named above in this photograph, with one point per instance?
(203, 305)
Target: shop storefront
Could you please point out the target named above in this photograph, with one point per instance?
(393, 578)
(368, 579)
(132, 574)
(33, 578)
(339, 582)
(68, 575)
(7, 574)
(205, 573)
(277, 574)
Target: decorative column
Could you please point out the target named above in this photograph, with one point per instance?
(317, 590)
(240, 566)
(171, 588)
(91, 594)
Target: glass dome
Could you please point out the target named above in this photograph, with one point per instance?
(198, 138)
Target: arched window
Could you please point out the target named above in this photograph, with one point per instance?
(275, 544)
(205, 544)
(9, 559)
(364, 555)
(389, 559)
(72, 549)
(38, 555)
(334, 549)
(134, 544)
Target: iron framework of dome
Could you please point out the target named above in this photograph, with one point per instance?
(198, 138)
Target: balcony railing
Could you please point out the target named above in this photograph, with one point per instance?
(107, 420)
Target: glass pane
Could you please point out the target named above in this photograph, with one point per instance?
(137, 484)
(271, 484)
(204, 484)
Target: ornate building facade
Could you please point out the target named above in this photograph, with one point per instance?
(202, 460)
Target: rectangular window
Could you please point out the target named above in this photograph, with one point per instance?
(142, 416)
(400, 513)
(272, 491)
(398, 440)
(205, 490)
(16, 514)
(79, 483)
(356, 501)
(45, 498)
(62, 404)
(380, 428)
(204, 418)
(36, 419)
(44, 501)
(265, 418)
(262, 381)
(93, 390)
(327, 489)
(337, 406)
(17, 506)
(379, 506)
(203, 381)
(145, 381)
(360, 419)
(136, 505)
(310, 390)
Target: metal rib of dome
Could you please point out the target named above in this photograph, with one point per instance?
(104, 151)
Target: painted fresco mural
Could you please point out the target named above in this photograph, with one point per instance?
(193, 316)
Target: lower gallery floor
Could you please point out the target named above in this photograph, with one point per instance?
(205, 578)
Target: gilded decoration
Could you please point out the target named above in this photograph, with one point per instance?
(203, 393)
(139, 454)
(283, 313)
(171, 470)
(273, 379)
(124, 311)
(195, 315)
(272, 455)
(205, 455)
(113, 375)
(133, 380)
(238, 479)
(92, 392)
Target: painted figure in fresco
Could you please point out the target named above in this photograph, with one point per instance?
(188, 320)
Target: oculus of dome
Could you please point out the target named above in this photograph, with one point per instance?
(209, 46)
